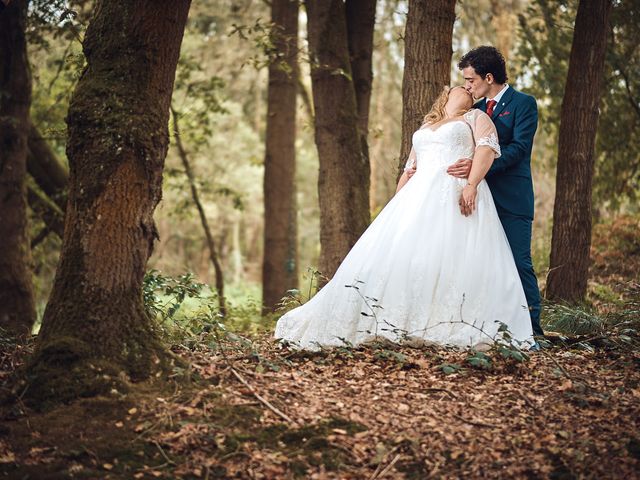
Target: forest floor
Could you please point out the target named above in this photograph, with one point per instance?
(247, 407)
(375, 412)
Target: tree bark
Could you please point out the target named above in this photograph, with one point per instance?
(95, 329)
(280, 256)
(343, 180)
(213, 256)
(361, 19)
(427, 63)
(17, 307)
(571, 236)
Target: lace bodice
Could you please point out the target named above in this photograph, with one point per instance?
(453, 140)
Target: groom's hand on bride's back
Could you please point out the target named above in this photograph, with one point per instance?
(410, 172)
(461, 168)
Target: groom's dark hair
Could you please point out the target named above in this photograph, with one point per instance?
(485, 60)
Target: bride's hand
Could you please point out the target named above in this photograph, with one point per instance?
(468, 199)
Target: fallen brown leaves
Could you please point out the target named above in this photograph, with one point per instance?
(379, 412)
(359, 414)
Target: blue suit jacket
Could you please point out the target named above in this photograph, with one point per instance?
(516, 120)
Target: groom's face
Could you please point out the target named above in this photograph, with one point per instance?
(474, 83)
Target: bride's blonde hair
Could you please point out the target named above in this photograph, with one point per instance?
(437, 111)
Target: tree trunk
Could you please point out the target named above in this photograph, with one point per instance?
(213, 256)
(95, 329)
(571, 236)
(48, 172)
(17, 308)
(343, 180)
(48, 211)
(280, 258)
(427, 63)
(361, 19)
(504, 22)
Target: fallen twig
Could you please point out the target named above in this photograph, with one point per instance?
(389, 467)
(475, 422)
(527, 400)
(262, 399)
(169, 461)
(379, 468)
(449, 392)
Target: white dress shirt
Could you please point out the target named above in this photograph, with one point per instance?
(499, 95)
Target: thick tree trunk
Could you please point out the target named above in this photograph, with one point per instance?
(17, 308)
(571, 237)
(280, 258)
(361, 19)
(213, 255)
(45, 168)
(427, 63)
(343, 181)
(95, 327)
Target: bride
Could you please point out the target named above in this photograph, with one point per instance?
(435, 265)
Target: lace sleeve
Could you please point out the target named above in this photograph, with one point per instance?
(484, 131)
(411, 161)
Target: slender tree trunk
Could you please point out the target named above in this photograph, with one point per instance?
(213, 256)
(343, 180)
(46, 169)
(17, 308)
(504, 21)
(427, 63)
(95, 327)
(48, 211)
(52, 177)
(361, 19)
(280, 256)
(305, 96)
(571, 236)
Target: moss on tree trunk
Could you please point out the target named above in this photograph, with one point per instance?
(95, 332)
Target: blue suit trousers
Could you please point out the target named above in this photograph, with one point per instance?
(518, 231)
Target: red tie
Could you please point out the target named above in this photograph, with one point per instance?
(490, 105)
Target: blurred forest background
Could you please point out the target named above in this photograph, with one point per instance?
(220, 96)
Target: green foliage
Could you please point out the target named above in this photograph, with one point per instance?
(450, 368)
(543, 60)
(572, 320)
(52, 19)
(174, 292)
(479, 360)
(187, 313)
(386, 354)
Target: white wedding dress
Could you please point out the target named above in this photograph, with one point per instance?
(423, 271)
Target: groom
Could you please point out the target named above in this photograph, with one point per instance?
(515, 116)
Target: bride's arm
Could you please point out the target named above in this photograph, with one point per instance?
(487, 149)
(482, 160)
(404, 178)
(408, 166)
